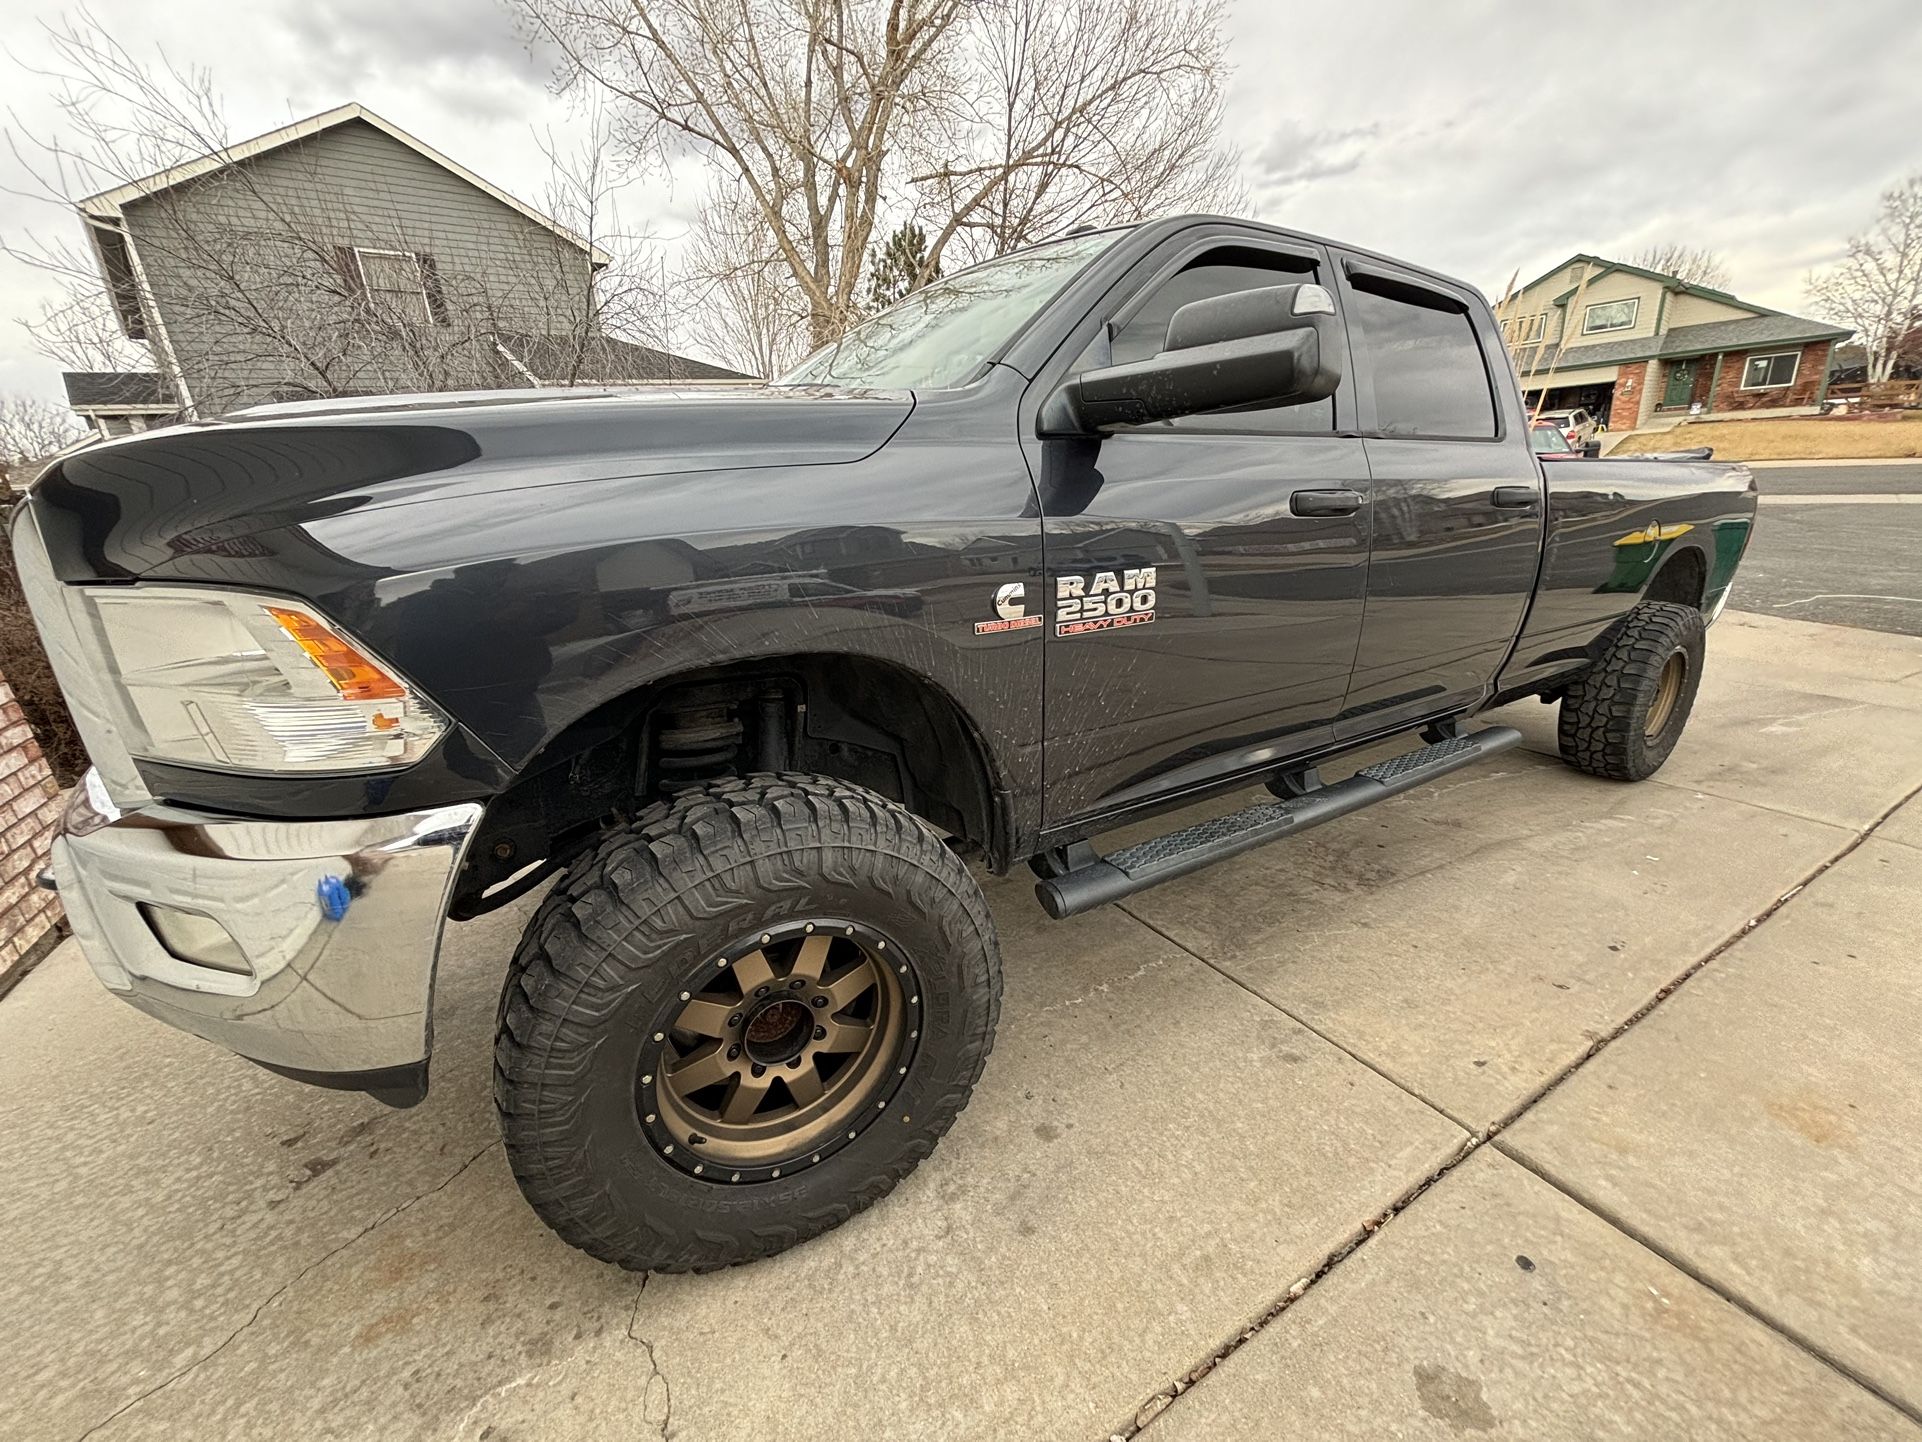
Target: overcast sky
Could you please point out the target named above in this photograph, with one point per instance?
(1477, 138)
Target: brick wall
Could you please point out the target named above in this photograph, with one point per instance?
(1698, 394)
(1729, 395)
(29, 812)
(1625, 402)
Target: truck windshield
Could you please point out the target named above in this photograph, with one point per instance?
(938, 337)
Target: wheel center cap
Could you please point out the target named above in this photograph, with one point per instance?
(778, 1032)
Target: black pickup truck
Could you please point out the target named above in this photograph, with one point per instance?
(1078, 536)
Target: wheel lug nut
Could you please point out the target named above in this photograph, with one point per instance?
(820, 1001)
(760, 991)
(796, 984)
(820, 1033)
(759, 1070)
(733, 1052)
(734, 1020)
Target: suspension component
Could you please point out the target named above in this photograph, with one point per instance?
(697, 738)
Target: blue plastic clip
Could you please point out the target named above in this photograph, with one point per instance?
(334, 896)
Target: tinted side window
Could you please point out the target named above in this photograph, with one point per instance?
(1217, 272)
(1429, 376)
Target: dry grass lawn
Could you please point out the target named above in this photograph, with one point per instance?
(1785, 440)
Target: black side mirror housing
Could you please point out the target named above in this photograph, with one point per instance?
(1253, 349)
(1592, 449)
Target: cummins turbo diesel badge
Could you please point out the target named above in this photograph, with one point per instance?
(1012, 611)
(1104, 600)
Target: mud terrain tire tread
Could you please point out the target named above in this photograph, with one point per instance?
(629, 915)
(1604, 714)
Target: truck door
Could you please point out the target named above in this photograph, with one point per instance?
(1203, 577)
(1455, 497)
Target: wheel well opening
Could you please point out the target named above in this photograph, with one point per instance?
(1682, 580)
(851, 717)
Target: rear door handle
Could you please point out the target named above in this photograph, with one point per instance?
(1515, 497)
(1325, 503)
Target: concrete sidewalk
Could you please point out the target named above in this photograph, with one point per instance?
(1404, 1128)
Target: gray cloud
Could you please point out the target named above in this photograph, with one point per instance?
(1295, 153)
(1474, 136)
(1500, 143)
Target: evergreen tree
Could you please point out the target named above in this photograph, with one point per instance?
(895, 269)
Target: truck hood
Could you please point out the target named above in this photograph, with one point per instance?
(120, 510)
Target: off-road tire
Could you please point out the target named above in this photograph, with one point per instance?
(611, 946)
(1604, 726)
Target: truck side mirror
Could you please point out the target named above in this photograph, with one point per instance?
(1249, 350)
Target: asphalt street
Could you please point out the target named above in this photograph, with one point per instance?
(1840, 480)
(1847, 563)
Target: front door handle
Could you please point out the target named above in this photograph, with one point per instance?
(1325, 503)
(1514, 498)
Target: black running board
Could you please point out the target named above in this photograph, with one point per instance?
(1160, 858)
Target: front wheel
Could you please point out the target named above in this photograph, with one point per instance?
(1623, 716)
(742, 1020)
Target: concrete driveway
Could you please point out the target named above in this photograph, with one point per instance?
(1526, 1105)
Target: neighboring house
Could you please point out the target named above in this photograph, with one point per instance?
(116, 403)
(1631, 344)
(341, 256)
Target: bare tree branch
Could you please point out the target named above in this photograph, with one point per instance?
(1877, 286)
(32, 429)
(738, 294)
(989, 123)
(1695, 264)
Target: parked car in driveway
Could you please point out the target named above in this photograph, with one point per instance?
(1053, 546)
(1578, 427)
(1550, 443)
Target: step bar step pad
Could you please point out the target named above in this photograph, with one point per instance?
(1424, 758)
(1145, 856)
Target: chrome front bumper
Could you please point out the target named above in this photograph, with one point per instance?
(307, 946)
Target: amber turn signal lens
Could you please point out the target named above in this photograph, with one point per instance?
(353, 675)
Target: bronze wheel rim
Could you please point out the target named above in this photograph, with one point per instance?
(779, 1051)
(1668, 687)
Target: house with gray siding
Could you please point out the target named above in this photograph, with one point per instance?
(341, 256)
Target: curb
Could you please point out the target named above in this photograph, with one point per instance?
(1863, 461)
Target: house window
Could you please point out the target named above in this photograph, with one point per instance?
(1765, 372)
(395, 283)
(1528, 329)
(1610, 315)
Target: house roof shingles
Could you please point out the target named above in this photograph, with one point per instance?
(607, 358)
(87, 390)
(1705, 339)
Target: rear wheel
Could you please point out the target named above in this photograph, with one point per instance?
(742, 1020)
(1622, 718)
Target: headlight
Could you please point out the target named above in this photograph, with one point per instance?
(252, 683)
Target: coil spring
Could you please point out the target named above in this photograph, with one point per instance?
(696, 743)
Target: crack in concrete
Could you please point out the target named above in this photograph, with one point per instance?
(653, 1362)
(1159, 1401)
(280, 1292)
